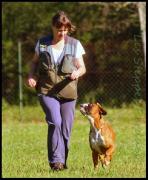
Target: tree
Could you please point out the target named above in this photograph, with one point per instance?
(142, 17)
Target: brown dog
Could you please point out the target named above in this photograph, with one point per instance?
(101, 135)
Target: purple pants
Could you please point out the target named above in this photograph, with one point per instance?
(59, 117)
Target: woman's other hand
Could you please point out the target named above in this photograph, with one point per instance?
(32, 82)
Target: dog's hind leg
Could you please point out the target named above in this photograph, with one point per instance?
(108, 155)
(101, 157)
(95, 159)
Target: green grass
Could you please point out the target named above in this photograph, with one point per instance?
(24, 144)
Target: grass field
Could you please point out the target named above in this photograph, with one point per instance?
(24, 144)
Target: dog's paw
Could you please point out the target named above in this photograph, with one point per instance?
(105, 165)
(96, 167)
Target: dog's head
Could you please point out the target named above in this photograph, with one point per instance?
(92, 109)
(94, 112)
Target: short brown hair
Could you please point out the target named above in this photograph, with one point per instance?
(60, 19)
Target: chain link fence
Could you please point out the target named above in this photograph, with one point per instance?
(115, 73)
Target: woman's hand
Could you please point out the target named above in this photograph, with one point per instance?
(79, 64)
(74, 75)
(32, 82)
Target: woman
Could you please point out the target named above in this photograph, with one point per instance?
(55, 69)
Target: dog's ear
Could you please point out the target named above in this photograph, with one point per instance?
(103, 112)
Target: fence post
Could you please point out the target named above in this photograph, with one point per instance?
(20, 79)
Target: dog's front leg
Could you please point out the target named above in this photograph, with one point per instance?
(95, 159)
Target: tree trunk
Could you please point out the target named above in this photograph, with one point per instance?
(142, 17)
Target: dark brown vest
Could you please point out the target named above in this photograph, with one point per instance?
(53, 80)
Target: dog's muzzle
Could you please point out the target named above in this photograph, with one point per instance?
(83, 109)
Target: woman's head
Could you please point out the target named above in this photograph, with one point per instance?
(60, 20)
(61, 25)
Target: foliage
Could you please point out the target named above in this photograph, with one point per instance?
(107, 31)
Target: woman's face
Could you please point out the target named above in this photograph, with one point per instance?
(59, 33)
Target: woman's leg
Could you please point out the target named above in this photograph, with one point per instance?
(67, 113)
(56, 148)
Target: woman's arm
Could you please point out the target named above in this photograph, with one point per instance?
(79, 63)
(33, 67)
